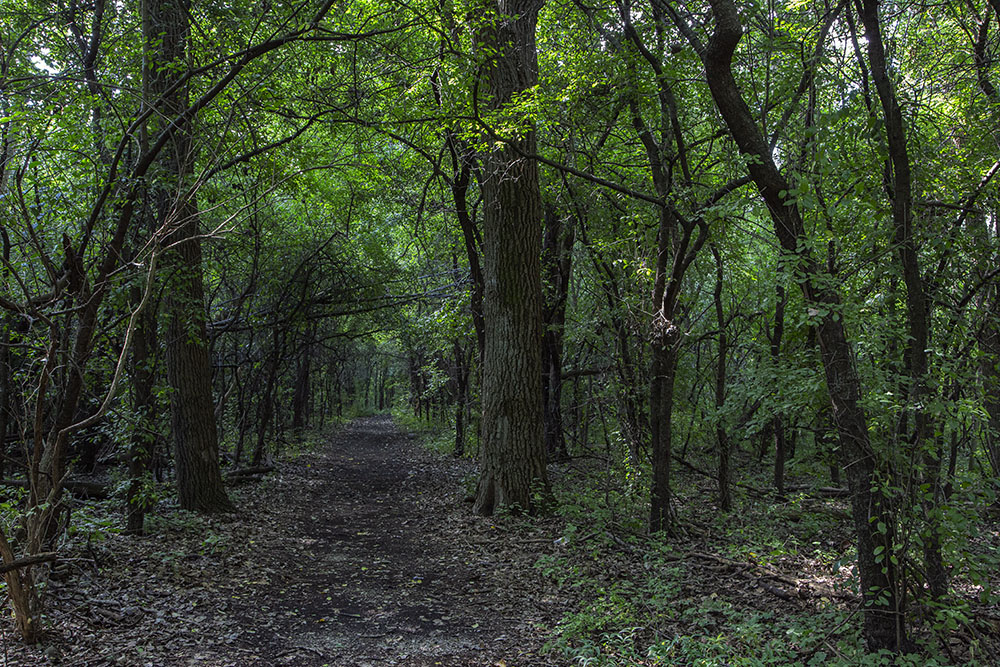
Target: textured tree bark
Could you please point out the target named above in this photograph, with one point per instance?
(189, 368)
(189, 375)
(883, 626)
(512, 451)
(661, 409)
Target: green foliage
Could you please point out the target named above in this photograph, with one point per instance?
(435, 436)
(94, 522)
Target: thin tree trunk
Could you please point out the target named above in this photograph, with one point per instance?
(265, 406)
(989, 343)
(721, 436)
(144, 406)
(777, 426)
(462, 372)
(300, 398)
(917, 303)
(557, 263)
(873, 520)
(6, 325)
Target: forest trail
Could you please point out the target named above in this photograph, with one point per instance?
(377, 570)
(359, 553)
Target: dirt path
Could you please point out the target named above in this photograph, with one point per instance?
(360, 553)
(379, 570)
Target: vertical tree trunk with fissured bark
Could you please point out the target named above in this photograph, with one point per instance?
(512, 452)
(189, 369)
(189, 375)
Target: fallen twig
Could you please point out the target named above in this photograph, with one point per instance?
(46, 557)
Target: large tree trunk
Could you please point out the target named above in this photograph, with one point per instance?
(513, 451)
(189, 367)
(189, 375)
(873, 521)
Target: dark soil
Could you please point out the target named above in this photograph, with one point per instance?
(363, 552)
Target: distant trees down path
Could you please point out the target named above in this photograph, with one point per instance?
(636, 235)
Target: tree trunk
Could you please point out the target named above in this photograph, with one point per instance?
(629, 404)
(777, 426)
(189, 374)
(6, 325)
(917, 303)
(144, 405)
(513, 450)
(557, 263)
(721, 436)
(300, 400)
(989, 343)
(265, 406)
(189, 367)
(661, 409)
(780, 455)
(873, 520)
(462, 373)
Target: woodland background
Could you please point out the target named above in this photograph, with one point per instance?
(749, 243)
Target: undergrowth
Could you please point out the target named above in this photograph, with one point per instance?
(434, 435)
(663, 600)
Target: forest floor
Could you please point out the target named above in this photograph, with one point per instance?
(360, 549)
(361, 552)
